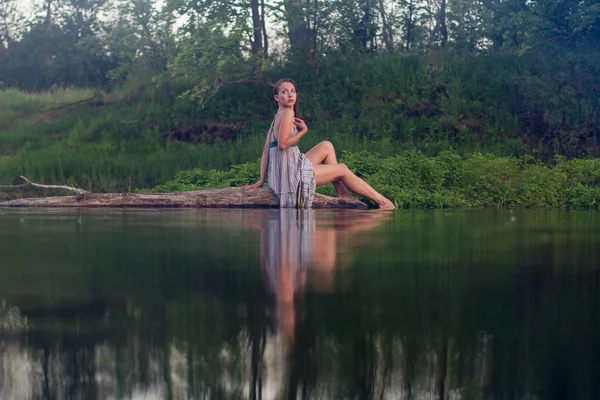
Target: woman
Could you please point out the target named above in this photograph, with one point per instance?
(294, 176)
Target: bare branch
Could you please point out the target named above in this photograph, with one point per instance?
(28, 182)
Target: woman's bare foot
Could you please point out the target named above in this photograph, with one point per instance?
(386, 204)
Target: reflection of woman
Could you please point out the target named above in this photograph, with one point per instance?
(297, 248)
(300, 248)
(293, 176)
(289, 254)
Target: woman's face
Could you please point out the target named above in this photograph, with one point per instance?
(286, 95)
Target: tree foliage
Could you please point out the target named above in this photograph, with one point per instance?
(463, 72)
(107, 42)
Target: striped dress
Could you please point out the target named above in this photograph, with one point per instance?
(291, 174)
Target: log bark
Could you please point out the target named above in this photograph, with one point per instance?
(218, 198)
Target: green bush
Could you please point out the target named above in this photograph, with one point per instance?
(447, 180)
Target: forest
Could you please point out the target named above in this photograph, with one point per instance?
(437, 103)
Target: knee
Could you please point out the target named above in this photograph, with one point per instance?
(327, 144)
(344, 170)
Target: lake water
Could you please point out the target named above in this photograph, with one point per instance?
(232, 304)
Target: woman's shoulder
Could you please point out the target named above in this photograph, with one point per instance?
(286, 112)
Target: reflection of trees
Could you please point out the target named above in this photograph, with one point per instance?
(11, 319)
(203, 324)
(206, 347)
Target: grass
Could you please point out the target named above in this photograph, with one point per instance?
(108, 165)
(15, 103)
(413, 180)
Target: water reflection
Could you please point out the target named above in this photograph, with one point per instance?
(209, 340)
(271, 305)
(297, 248)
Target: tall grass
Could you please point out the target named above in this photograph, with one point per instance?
(18, 103)
(109, 165)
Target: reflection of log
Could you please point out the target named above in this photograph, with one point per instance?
(218, 198)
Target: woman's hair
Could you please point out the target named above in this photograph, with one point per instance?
(276, 92)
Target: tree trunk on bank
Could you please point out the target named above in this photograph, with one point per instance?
(443, 26)
(218, 198)
(410, 23)
(440, 27)
(301, 37)
(297, 30)
(385, 28)
(257, 27)
(264, 28)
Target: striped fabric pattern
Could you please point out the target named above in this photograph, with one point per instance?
(290, 244)
(291, 175)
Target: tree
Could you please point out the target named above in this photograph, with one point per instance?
(247, 20)
(61, 46)
(562, 21)
(439, 32)
(357, 24)
(142, 39)
(506, 27)
(468, 20)
(411, 19)
(10, 20)
(386, 28)
(81, 17)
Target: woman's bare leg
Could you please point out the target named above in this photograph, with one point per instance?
(330, 173)
(324, 153)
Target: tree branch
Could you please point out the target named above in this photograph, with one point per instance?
(28, 182)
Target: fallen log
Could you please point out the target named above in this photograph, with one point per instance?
(218, 198)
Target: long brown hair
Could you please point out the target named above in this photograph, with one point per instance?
(276, 92)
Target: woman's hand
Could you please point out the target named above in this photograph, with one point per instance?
(255, 186)
(300, 124)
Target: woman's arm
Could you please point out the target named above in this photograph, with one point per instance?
(286, 126)
(264, 164)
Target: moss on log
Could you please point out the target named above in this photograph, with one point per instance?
(218, 198)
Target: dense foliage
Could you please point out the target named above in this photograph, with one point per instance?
(448, 180)
(211, 42)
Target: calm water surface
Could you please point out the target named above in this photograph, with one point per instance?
(230, 304)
